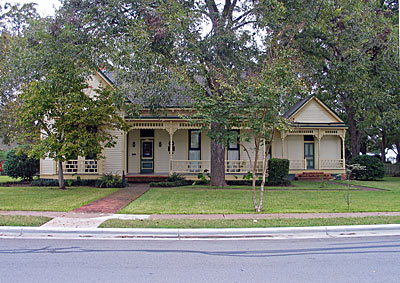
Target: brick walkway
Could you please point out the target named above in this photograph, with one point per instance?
(115, 201)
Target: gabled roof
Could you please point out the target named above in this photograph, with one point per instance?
(296, 107)
(307, 103)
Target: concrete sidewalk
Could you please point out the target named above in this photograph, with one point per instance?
(200, 234)
(93, 220)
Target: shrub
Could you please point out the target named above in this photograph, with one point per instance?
(18, 165)
(374, 168)
(175, 177)
(278, 171)
(45, 183)
(69, 182)
(177, 183)
(110, 181)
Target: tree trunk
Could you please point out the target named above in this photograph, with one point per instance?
(61, 184)
(355, 136)
(383, 145)
(397, 144)
(217, 164)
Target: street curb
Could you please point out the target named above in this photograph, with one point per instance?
(182, 234)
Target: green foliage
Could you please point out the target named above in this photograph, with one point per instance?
(170, 184)
(374, 168)
(2, 155)
(19, 165)
(278, 171)
(74, 118)
(204, 178)
(69, 182)
(110, 181)
(175, 177)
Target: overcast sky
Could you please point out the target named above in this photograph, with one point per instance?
(44, 7)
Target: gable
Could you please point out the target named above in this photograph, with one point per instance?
(314, 111)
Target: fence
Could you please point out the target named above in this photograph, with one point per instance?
(392, 169)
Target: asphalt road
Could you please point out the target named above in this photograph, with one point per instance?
(367, 259)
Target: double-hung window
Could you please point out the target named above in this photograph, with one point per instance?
(194, 150)
(233, 154)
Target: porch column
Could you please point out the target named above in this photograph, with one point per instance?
(124, 153)
(343, 137)
(319, 147)
(171, 130)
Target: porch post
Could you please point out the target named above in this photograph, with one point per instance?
(319, 148)
(343, 136)
(123, 152)
(171, 130)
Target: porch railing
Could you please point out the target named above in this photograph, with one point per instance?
(197, 166)
(300, 164)
(190, 166)
(241, 166)
(87, 166)
(331, 164)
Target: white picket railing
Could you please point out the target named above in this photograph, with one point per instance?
(190, 166)
(83, 166)
(300, 164)
(242, 166)
(331, 164)
(197, 166)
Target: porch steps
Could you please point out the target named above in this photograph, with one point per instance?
(313, 176)
(145, 179)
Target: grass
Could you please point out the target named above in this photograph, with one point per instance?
(18, 220)
(388, 183)
(203, 201)
(5, 179)
(296, 185)
(48, 198)
(248, 223)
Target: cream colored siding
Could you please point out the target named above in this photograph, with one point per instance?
(313, 112)
(294, 148)
(114, 155)
(330, 147)
(133, 152)
(181, 145)
(161, 157)
(47, 166)
(205, 146)
(277, 146)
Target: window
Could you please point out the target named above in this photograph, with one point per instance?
(194, 150)
(233, 149)
(194, 145)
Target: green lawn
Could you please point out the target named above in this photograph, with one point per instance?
(388, 183)
(14, 220)
(5, 179)
(189, 201)
(248, 223)
(296, 185)
(47, 198)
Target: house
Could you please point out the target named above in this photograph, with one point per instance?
(159, 146)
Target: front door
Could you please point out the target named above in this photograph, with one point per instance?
(309, 155)
(146, 156)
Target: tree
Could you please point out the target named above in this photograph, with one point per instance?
(170, 46)
(254, 103)
(343, 42)
(13, 72)
(71, 120)
(18, 164)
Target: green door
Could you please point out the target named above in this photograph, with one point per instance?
(147, 156)
(309, 155)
